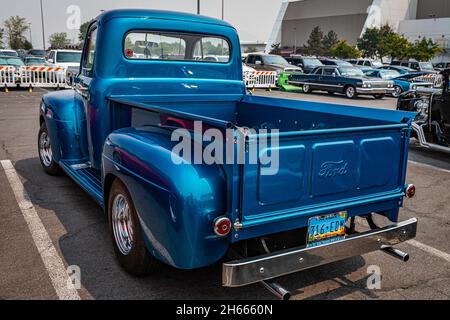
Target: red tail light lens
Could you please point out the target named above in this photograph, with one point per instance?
(222, 226)
(410, 191)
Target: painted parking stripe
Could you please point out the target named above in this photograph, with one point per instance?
(49, 255)
(438, 253)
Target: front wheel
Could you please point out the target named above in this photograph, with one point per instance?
(127, 234)
(397, 91)
(307, 88)
(45, 152)
(350, 92)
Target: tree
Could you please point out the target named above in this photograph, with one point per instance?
(425, 50)
(371, 42)
(276, 49)
(396, 46)
(2, 33)
(314, 43)
(343, 50)
(83, 30)
(329, 41)
(15, 28)
(59, 40)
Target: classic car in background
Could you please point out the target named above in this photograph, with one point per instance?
(402, 83)
(350, 81)
(431, 127)
(270, 62)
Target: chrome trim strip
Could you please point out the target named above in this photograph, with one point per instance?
(252, 270)
(316, 84)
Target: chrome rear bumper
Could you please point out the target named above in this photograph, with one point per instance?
(251, 270)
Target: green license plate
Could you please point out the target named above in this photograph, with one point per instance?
(326, 229)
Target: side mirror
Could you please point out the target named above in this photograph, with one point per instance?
(334, 74)
(300, 65)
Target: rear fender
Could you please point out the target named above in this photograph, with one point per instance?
(65, 119)
(176, 204)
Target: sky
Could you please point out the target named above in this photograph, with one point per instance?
(252, 18)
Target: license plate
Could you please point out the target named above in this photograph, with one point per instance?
(326, 229)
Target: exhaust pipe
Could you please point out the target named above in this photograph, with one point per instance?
(396, 253)
(280, 292)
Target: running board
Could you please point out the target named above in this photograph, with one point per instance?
(88, 178)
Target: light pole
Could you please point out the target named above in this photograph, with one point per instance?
(223, 9)
(31, 37)
(198, 6)
(295, 40)
(43, 29)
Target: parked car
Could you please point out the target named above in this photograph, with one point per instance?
(399, 69)
(307, 64)
(37, 53)
(114, 135)
(431, 126)
(270, 62)
(368, 63)
(350, 81)
(402, 83)
(8, 53)
(64, 58)
(15, 62)
(34, 61)
(335, 62)
(416, 65)
(441, 66)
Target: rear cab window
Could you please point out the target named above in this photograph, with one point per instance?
(142, 45)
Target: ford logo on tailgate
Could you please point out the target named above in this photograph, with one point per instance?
(331, 169)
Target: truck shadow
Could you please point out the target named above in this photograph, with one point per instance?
(82, 234)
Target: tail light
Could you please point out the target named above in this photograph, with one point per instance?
(410, 191)
(222, 226)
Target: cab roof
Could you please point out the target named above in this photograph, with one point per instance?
(158, 14)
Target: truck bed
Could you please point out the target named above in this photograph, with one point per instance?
(333, 158)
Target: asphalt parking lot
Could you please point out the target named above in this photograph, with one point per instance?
(79, 232)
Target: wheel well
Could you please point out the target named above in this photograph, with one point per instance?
(109, 180)
(41, 120)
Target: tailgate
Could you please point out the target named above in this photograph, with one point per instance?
(323, 172)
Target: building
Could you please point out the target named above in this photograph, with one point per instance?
(350, 18)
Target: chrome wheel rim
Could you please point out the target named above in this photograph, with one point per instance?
(122, 224)
(350, 92)
(306, 88)
(397, 91)
(45, 149)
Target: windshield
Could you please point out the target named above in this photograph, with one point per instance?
(68, 57)
(311, 62)
(389, 74)
(35, 61)
(351, 72)
(16, 62)
(275, 60)
(38, 53)
(343, 63)
(8, 53)
(426, 66)
(377, 64)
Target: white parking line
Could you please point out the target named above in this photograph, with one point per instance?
(428, 166)
(50, 257)
(430, 250)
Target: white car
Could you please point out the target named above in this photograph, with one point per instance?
(9, 53)
(64, 58)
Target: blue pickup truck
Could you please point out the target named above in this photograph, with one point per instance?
(147, 83)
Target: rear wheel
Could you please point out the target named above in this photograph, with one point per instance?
(127, 234)
(350, 92)
(45, 152)
(307, 88)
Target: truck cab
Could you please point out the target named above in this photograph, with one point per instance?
(190, 169)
